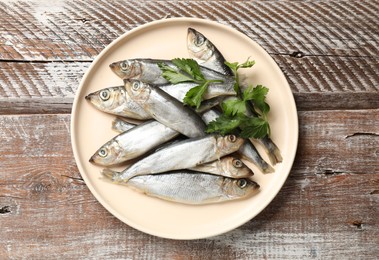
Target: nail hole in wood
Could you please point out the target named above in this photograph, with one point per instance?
(297, 54)
(5, 210)
(358, 224)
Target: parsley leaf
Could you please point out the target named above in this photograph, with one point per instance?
(172, 75)
(223, 125)
(194, 96)
(258, 96)
(190, 66)
(234, 107)
(234, 66)
(254, 127)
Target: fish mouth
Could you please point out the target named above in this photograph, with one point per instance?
(255, 185)
(88, 97)
(112, 65)
(191, 34)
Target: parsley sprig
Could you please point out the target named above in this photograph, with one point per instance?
(245, 115)
(188, 70)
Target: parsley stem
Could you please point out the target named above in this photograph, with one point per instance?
(208, 81)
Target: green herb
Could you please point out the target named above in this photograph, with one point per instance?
(224, 125)
(194, 96)
(258, 97)
(232, 107)
(235, 111)
(254, 127)
(244, 126)
(173, 75)
(188, 70)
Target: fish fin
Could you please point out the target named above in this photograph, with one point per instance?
(111, 175)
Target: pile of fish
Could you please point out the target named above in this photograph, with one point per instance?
(169, 154)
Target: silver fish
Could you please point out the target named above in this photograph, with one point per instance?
(181, 155)
(227, 166)
(148, 70)
(247, 149)
(133, 143)
(116, 101)
(196, 188)
(121, 125)
(205, 52)
(166, 109)
(180, 90)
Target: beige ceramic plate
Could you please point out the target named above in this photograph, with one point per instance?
(166, 39)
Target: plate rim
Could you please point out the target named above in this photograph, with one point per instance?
(74, 115)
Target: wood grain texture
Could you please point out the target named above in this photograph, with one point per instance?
(39, 87)
(328, 202)
(72, 30)
(322, 46)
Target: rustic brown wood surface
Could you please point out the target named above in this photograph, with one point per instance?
(328, 207)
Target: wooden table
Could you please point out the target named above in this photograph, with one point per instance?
(328, 207)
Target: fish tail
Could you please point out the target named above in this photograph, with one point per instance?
(251, 154)
(267, 168)
(272, 150)
(111, 175)
(274, 154)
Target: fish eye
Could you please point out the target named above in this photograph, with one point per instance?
(103, 152)
(136, 85)
(124, 65)
(242, 183)
(199, 41)
(232, 138)
(105, 95)
(237, 163)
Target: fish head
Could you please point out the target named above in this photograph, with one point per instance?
(138, 91)
(108, 154)
(239, 188)
(235, 167)
(229, 143)
(198, 45)
(108, 99)
(127, 69)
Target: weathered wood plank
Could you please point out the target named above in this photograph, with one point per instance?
(316, 82)
(39, 87)
(71, 30)
(329, 201)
